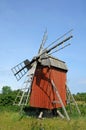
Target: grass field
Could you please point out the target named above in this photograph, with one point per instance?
(13, 121)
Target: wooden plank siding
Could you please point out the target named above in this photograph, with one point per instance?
(42, 93)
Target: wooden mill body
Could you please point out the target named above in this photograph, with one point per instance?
(42, 93)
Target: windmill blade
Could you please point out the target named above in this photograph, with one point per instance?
(54, 47)
(50, 50)
(43, 42)
(35, 59)
(59, 44)
(66, 34)
(60, 49)
(21, 69)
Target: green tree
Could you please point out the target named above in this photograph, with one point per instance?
(6, 90)
(7, 96)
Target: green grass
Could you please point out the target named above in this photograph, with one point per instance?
(14, 121)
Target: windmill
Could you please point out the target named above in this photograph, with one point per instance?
(45, 84)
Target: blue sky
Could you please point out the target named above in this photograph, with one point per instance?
(22, 24)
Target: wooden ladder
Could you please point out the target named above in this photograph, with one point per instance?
(23, 94)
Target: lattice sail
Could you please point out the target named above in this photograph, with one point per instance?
(21, 69)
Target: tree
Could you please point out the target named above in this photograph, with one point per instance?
(6, 90)
(7, 96)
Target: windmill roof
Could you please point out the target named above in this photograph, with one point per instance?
(48, 60)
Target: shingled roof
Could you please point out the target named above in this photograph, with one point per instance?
(48, 60)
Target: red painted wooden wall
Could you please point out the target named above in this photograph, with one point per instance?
(42, 93)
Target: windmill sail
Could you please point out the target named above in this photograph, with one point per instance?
(43, 42)
(21, 69)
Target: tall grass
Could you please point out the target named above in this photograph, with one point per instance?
(13, 121)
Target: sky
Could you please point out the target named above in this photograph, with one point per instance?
(22, 25)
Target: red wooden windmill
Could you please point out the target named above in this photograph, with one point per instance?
(45, 86)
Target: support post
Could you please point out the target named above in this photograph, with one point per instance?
(73, 100)
(58, 95)
(60, 114)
